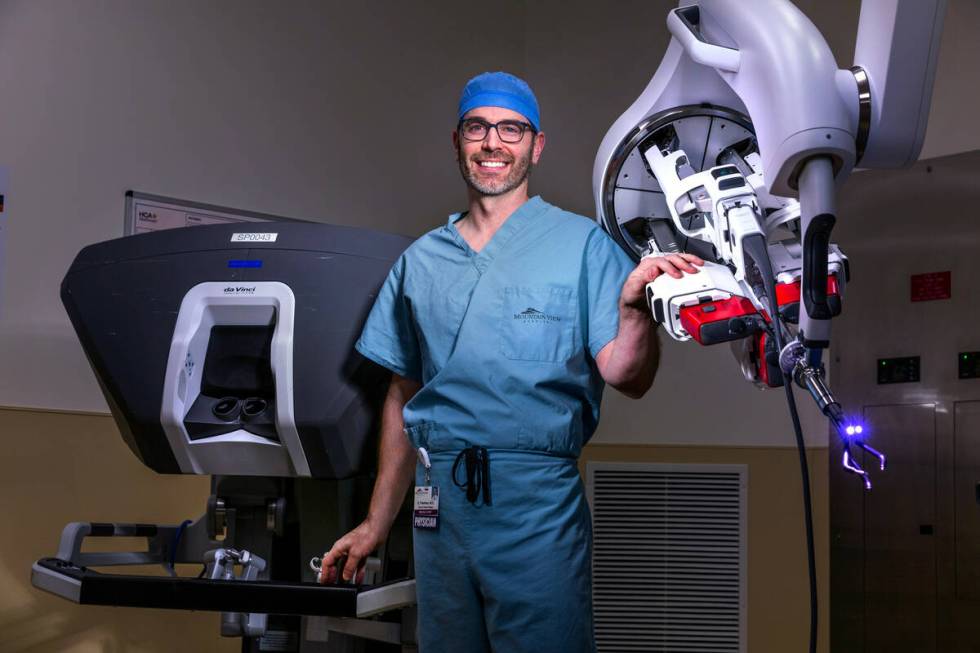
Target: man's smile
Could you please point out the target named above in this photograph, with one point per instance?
(492, 165)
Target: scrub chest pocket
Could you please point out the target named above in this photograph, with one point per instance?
(538, 323)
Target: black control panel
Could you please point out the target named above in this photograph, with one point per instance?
(969, 364)
(898, 370)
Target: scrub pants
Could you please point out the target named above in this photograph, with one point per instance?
(510, 577)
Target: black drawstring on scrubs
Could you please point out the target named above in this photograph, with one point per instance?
(477, 473)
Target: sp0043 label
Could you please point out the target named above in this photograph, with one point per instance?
(254, 237)
(426, 514)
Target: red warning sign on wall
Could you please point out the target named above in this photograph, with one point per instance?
(930, 286)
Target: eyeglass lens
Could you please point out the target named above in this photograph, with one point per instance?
(509, 131)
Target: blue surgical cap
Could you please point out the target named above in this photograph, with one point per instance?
(500, 90)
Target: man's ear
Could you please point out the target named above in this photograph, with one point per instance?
(538, 147)
(456, 144)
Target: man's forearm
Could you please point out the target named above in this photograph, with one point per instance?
(396, 456)
(634, 354)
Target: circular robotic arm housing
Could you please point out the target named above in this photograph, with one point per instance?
(632, 201)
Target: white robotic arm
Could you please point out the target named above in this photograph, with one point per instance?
(740, 142)
(735, 151)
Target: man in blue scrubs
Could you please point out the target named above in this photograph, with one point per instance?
(501, 328)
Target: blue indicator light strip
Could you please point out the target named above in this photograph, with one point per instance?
(244, 264)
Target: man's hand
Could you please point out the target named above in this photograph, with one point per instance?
(356, 545)
(396, 469)
(629, 362)
(634, 290)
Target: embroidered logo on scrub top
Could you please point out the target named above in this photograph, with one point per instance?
(534, 315)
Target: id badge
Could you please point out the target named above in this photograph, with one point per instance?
(426, 514)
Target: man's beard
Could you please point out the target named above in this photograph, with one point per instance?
(520, 169)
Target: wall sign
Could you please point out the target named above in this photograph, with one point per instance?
(931, 286)
(146, 213)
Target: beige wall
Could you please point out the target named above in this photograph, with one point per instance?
(57, 468)
(76, 467)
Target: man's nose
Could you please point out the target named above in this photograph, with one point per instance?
(492, 140)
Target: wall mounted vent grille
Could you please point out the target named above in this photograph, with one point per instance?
(669, 557)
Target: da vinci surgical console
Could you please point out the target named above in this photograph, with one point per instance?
(227, 350)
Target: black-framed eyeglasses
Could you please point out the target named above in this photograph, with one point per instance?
(509, 131)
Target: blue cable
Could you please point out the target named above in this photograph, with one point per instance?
(176, 542)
